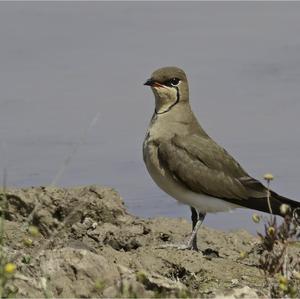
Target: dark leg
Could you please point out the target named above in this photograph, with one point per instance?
(194, 221)
(196, 217)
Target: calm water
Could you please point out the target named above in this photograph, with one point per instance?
(61, 63)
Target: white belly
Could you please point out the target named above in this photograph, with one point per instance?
(199, 201)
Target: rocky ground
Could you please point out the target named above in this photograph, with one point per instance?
(90, 246)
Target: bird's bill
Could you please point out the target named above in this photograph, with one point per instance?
(152, 83)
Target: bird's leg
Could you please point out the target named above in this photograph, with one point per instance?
(197, 219)
(194, 218)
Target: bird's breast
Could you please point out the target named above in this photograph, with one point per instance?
(158, 173)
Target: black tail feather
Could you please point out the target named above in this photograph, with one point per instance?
(277, 200)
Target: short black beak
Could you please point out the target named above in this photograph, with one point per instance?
(149, 82)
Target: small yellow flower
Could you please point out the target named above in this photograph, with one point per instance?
(284, 209)
(99, 285)
(10, 268)
(33, 231)
(28, 242)
(283, 287)
(293, 292)
(243, 254)
(283, 280)
(256, 218)
(271, 230)
(268, 177)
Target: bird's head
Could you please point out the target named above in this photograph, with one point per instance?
(170, 87)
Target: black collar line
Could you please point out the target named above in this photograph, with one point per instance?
(170, 107)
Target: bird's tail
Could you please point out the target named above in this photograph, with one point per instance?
(277, 202)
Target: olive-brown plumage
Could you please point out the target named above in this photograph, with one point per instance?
(187, 164)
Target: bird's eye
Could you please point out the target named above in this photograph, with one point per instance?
(174, 81)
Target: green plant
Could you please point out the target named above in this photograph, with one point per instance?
(276, 262)
(7, 269)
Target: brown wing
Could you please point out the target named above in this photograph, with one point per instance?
(205, 167)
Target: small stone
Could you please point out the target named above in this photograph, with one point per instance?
(164, 237)
(235, 281)
(296, 274)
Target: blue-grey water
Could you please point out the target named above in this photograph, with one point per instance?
(62, 63)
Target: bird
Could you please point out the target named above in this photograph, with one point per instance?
(186, 163)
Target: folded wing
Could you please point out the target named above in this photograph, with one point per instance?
(204, 167)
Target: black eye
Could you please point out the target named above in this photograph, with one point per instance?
(174, 81)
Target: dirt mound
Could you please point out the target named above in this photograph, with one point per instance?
(90, 246)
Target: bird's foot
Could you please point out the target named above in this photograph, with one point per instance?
(191, 243)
